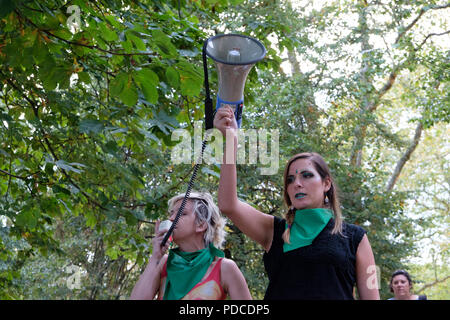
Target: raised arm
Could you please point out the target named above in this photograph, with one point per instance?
(255, 224)
(149, 281)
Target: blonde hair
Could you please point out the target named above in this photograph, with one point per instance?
(332, 194)
(205, 211)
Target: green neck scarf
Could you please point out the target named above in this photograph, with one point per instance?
(186, 269)
(307, 225)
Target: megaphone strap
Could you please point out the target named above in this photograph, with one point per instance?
(209, 116)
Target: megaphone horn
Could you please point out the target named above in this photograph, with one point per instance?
(234, 56)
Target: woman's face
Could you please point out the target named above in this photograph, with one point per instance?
(186, 226)
(305, 186)
(400, 285)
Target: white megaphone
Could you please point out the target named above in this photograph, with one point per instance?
(234, 56)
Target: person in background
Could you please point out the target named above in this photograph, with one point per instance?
(401, 285)
(196, 269)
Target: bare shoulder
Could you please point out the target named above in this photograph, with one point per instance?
(229, 265)
(229, 269)
(233, 281)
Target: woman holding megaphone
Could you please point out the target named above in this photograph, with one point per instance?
(196, 269)
(311, 253)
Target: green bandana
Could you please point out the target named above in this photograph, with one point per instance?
(186, 269)
(307, 225)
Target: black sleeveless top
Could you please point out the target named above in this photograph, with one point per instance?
(326, 269)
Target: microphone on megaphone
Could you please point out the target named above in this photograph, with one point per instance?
(234, 56)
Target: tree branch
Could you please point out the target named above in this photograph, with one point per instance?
(25, 178)
(82, 44)
(430, 35)
(386, 87)
(406, 156)
(401, 34)
(428, 285)
(422, 11)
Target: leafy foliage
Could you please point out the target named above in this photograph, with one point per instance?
(90, 96)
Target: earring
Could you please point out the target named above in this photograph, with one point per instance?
(327, 201)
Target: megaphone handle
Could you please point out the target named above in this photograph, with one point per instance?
(237, 107)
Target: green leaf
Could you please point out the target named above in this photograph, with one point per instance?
(84, 77)
(47, 72)
(58, 189)
(107, 33)
(148, 75)
(69, 166)
(173, 77)
(6, 6)
(148, 81)
(129, 95)
(130, 218)
(29, 114)
(191, 82)
(150, 93)
(111, 147)
(41, 53)
(123, 87)
(91, 125)
(118, 84)
(162, 41)
(27, 219)
(112, 253)
(91, 221)
(140, 45)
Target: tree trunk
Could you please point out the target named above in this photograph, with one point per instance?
(406, 156)
(295, 66)
(365, 86)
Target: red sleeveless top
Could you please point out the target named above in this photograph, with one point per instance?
(207, 289)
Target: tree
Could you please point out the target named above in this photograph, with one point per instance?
(90, 93)
(86, 114)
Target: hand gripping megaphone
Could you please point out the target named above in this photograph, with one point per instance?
(234, 56)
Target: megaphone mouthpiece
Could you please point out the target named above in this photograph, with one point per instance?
(234, 55)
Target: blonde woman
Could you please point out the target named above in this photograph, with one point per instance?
(196, 269)
(311, 253)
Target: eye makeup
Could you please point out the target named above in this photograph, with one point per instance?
(290, 179)
(305, 174)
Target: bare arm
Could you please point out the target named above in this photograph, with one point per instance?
(255, 224)
(149, 281)
(366, 277)
(233, 281)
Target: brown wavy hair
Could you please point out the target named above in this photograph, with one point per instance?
(332, 194)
